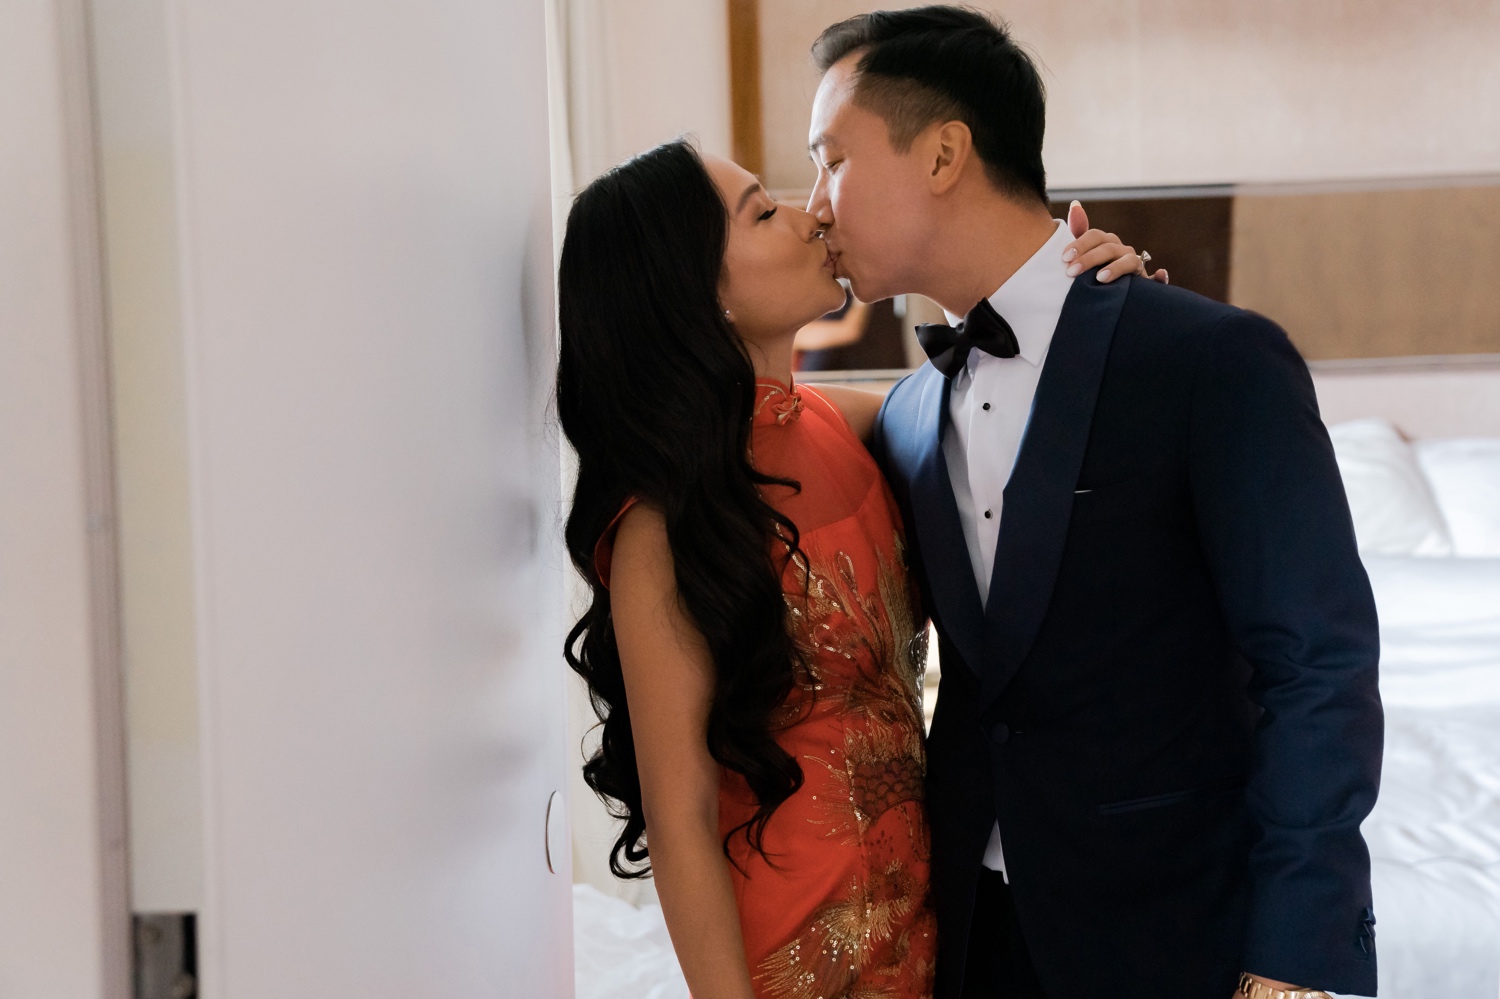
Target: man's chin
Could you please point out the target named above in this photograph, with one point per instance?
(862, 289)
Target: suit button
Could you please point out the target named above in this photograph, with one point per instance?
(1000, 733)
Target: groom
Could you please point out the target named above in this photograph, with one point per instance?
(1159, 727)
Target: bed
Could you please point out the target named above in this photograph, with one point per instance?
(1427, 516)
(1434, 836)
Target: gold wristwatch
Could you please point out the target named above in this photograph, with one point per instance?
(1252, 989)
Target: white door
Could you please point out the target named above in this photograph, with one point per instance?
(64, 927)
(364, 262)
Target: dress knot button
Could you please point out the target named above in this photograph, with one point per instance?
(788, 410)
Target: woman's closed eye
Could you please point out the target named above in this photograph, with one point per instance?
(766, 214)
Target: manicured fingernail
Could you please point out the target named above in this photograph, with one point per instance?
(1075, 201)
(1104, 275)
(1075, 270)
(1069, 254)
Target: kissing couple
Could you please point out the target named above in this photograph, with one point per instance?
(1159, 726)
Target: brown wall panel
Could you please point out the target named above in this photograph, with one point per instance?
(1373, 273)
(1190, 237)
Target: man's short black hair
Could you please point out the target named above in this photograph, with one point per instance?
(932, 64)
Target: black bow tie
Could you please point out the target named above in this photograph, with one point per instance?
(983, 327)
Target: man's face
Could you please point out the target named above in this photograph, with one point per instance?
(874, 200)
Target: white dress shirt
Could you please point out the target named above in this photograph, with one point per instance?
(988, 409)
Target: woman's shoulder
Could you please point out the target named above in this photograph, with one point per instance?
(856, 407)
(639, 527)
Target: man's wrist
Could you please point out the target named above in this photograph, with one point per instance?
(1255, 987)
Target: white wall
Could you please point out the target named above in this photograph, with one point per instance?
(63, 914)
(1196, 91)
(641, 72)
(1438, 401)
(1187, 91)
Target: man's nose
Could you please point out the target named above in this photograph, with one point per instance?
(818, 206)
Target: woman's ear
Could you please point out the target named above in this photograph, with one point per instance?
(950, 147)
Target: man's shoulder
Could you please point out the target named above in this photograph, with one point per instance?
(1162, 317)
(911, 382)
(1185, 338)
(1154, 302)
(896, 442)
(906, 395)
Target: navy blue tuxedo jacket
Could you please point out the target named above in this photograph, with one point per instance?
(1170, 701)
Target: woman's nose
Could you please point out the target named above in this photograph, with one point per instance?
(807, 224)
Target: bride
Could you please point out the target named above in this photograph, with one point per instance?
(753, 649)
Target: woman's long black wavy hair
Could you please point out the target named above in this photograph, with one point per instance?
(656, 392)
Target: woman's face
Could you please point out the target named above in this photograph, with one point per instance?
(777, 276)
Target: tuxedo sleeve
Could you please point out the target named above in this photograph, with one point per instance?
(1276, 531)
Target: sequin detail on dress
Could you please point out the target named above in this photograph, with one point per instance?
(857, 947)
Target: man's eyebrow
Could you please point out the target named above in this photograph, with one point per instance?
(746, 196)
(817, 143)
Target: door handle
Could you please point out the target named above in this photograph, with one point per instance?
(554, 837)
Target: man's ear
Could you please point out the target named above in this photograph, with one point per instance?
(950, 146)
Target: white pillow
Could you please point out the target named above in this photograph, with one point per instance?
(1436, 593)
(1464, 476)
(1394, 512)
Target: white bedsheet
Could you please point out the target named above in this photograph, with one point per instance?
(620, 951)
(1434, 836)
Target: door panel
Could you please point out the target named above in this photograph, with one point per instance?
(365, 241)
(64, 924)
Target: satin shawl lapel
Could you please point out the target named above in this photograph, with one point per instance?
(940, 535)
(1039, 496)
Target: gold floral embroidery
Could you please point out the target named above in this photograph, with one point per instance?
(884, 757)
(862, 650)
(834, 956)
(832, 616)
(880, 770)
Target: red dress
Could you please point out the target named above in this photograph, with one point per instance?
(844, 911)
